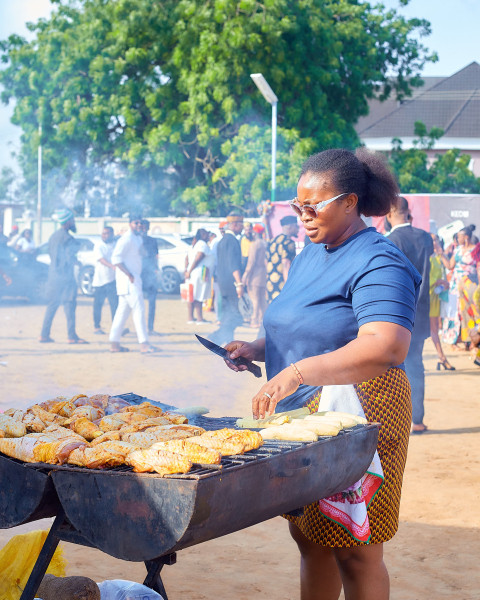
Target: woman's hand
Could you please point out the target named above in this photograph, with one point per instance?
(237, 349)
(248, 350)
(269, 395)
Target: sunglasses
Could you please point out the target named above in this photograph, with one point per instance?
(312, 210)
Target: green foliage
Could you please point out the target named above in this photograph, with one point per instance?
(153, 92)
(448, 174)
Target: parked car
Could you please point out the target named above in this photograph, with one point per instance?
(172, 251)
(28, 276)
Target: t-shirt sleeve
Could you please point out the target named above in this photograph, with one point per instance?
(386, 290)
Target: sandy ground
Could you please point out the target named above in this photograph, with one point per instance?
(435, 552)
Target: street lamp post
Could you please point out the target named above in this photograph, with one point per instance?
(39, 188)
(272, 99)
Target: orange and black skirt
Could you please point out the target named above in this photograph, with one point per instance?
(385, 400)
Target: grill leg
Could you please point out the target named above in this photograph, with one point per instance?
(153, 579)
(44, 558)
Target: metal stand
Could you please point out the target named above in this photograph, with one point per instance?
(62, 530)
(153, 579)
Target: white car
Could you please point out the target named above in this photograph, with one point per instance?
(172, 251)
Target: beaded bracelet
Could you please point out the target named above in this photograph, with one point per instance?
(297, 373)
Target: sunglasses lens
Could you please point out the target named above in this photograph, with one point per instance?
(296, 209)
(310, 211)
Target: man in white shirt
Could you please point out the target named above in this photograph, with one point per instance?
(103, 282)
(127, 258)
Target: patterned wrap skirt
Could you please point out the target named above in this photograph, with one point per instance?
(385, 400)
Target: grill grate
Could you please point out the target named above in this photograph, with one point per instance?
(270, 448)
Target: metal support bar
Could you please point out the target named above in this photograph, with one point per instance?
(46, 554)
(153, 580)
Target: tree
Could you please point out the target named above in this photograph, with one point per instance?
(158, 89)
(448, 174)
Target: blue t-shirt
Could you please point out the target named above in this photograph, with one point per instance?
(329, 294)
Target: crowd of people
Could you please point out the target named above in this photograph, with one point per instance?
(241, 269)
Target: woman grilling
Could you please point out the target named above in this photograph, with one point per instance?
(347, 311)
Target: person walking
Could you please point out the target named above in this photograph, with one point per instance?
(229, 278)
(198, 270)
(417, 245)
(255, 276)
(103, 282)
(280, 253)
(127, 258)
(150, 274)
(61, 283)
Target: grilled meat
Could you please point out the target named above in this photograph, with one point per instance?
(174, 418)
(86, 428)
(89, 412)
(106, 454)
(47, 417)
(21, 448)
(58, 432)
(151, 436)
(146, 408)
(225, 447)
(31, 422)
(194, 452)
(109, 436)
(164, 463)
(56, 452)
(12, 428)
(64, 408)
(110, 423)
(250, 439)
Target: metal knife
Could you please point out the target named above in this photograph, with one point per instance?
(252, 367)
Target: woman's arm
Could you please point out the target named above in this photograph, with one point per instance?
(197, 260)
(379, 346)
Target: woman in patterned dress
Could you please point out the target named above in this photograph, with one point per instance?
(465, 263)
(344, 317)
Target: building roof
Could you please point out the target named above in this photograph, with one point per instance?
(451, 103)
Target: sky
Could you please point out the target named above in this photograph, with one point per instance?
(454, 37)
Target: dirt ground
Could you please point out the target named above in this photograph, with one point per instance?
(435, 552)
